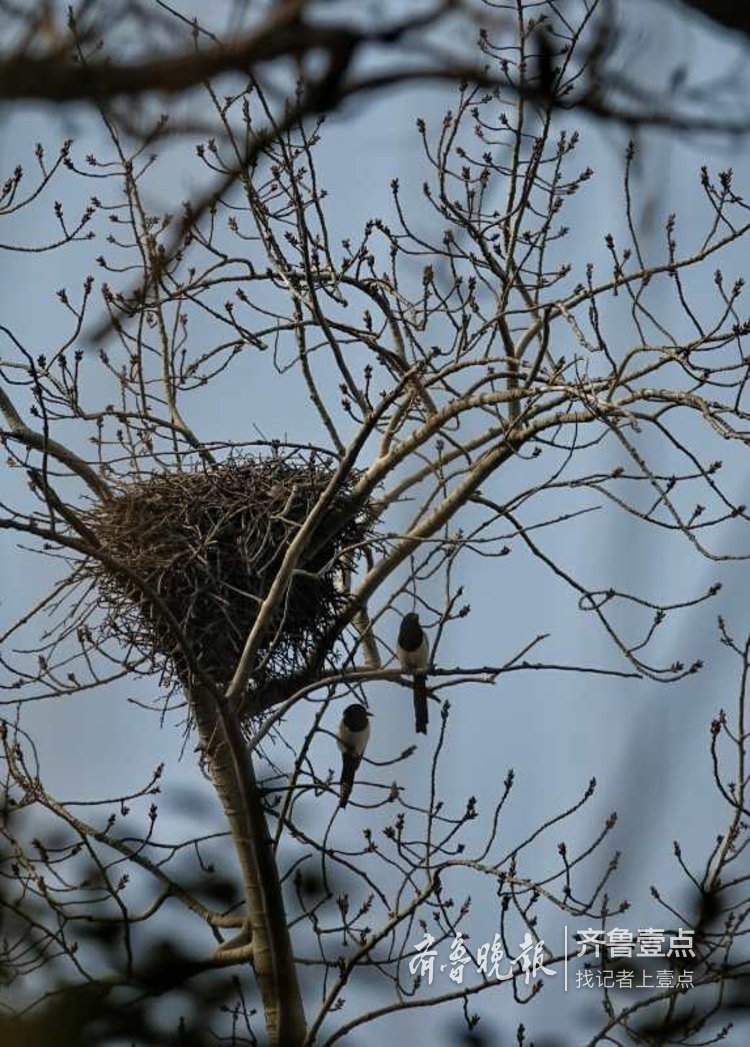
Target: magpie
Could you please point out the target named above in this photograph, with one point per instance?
(352, 736)
(414, 654)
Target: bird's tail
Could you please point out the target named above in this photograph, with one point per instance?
(349, 765)
(420, 703)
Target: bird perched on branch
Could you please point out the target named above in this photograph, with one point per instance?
(352, 736)
(414, 654)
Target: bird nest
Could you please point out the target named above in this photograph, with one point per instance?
(210, 542)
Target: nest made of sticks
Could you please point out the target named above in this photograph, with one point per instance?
(210, 542)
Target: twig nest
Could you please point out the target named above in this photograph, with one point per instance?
(209, 542)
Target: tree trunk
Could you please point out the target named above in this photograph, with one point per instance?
(234, 779)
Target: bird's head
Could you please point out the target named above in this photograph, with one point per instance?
(356, 716)
(410, 634)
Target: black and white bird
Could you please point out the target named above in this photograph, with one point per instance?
(413, 653)
(352, 736)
